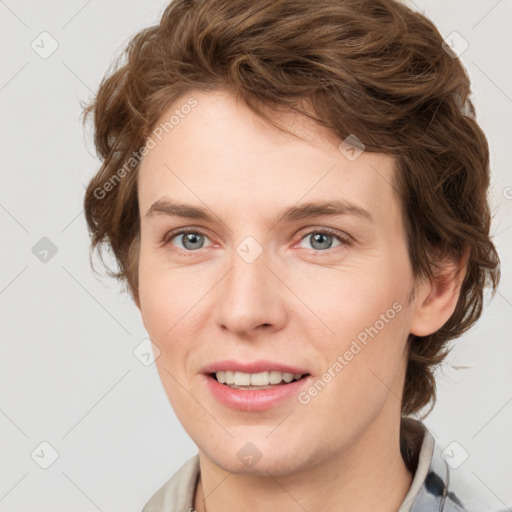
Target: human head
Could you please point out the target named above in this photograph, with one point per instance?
(373, 69)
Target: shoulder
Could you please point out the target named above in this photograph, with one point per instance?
(177, 494)
(440, 486)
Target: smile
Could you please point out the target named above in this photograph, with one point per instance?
(261, 380)
(254, 386)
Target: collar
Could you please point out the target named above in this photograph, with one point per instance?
(436, 486)
(433, 488)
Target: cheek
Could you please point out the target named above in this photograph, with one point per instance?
(158, 306)
(155, 299)
(163, 293)
(350, 300)
(171, 311)
(367, 312)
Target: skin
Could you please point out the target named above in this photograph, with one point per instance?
(298, 303)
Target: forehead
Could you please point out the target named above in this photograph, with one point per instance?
(222, 154)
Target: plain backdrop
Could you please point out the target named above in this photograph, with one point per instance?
(69, 377)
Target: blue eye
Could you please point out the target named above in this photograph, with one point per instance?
(323, 239)
(190, 240)
(320, 239)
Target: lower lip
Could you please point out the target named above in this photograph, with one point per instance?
(254, 400)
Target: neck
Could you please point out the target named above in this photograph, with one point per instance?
(369, 475)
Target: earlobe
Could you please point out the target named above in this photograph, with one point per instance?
(436, 299)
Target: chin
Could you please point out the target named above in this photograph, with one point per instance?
(260, 458)
(263, 468)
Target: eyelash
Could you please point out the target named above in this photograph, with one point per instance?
(344, 240)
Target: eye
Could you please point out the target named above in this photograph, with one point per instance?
(191, 240)
(322, 239)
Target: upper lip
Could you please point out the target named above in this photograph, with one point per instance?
(251, 367)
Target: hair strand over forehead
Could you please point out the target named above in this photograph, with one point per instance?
(371, 68)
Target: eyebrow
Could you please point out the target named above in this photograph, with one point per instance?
(334, 207)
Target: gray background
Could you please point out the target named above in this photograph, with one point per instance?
(68, 373)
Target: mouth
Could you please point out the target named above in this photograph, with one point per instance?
(255, 386)
(255, 381)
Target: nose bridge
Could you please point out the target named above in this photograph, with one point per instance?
(248, 297)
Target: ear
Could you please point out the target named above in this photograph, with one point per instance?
(435, 299)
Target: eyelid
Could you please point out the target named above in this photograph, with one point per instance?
(342, 237)
(178, 231)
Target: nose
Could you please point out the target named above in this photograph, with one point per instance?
(250, 298)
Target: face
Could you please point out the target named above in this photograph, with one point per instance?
(241, 272)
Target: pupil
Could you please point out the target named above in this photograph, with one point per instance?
(190, 239)
(317, 239)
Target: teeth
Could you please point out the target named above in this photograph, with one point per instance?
(287, 377)
(255, 379)
(275, 377)
(242, 379)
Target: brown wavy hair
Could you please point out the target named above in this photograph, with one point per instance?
(372, 68)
